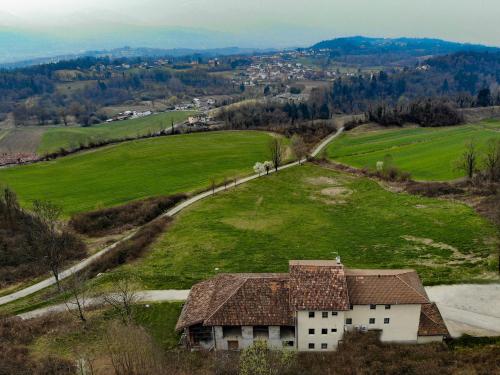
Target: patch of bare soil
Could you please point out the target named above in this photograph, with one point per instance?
(336, 192)
(457, 256)
(21, 140)
(372, 126)
(322, 181)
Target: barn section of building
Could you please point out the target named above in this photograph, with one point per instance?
(308, 309)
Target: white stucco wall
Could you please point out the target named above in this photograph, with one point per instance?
(403, 323)
(304, 323)
(246, 338)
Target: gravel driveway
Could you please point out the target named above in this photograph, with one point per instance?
(469, 308)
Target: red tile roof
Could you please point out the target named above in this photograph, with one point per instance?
(318, 285)
(431, 321)
(238, 299)
(382, 287)
(272, 299)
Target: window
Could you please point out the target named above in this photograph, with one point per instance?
(387, 307)
(372, 320)
(324, 314)
(231, 331)
(260, 332)
(324, 331)
(311, 331)
(373, 307)
(334, 329)
(311, 345)
(311, 314)
(324, 346)
(348, 321)
(335, 313)
(386, 320)
(351, 307)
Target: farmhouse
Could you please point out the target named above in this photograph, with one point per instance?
(309, 308)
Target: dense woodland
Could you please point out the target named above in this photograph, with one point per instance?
(429, 95)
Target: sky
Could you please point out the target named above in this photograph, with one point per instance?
(262, 23)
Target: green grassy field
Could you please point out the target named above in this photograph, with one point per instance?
(313, 213)
(71, 137)
(427, 153)
(133, 170)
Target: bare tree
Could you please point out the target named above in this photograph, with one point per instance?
(468, 161)
(492, 160)
(50, 245)
(79, 294)
(123, 298)
(276, 150)
(299, 147)
(11, 205)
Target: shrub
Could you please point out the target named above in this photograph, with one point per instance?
(432, 189)
(132, 248)
(102, 222)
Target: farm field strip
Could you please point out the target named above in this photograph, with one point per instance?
(427, 153)
(138, 169)
(69, 138)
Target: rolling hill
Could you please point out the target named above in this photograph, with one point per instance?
(138, 169)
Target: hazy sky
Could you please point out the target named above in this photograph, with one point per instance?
(460, 20)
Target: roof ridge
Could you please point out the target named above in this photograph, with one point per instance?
(425, 297)
(245, 279)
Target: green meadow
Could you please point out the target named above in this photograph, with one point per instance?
(427, 153)
(138, 169)
(72, 137)
(312, 213)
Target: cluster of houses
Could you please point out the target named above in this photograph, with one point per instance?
(199, 104)
(310, 308)
(266, 69)
(283, 67)
(128, 115)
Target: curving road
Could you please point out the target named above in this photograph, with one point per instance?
(172, 212)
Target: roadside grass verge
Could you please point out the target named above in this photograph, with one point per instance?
(71, 137)
(140, 169)
(312, 213)
(427, 153)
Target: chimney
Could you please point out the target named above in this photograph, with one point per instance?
(337, 259)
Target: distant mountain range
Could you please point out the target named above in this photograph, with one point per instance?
(360, 45)
(130, 52)
(20, 48)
